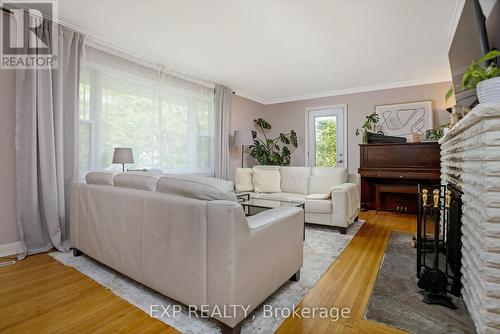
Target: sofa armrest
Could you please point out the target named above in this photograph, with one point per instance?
(274, 216)
(356, 179)
(346, 204)
(248, 258)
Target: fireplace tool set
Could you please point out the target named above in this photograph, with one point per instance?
(438, 245)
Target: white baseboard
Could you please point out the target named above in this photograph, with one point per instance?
(13, 248)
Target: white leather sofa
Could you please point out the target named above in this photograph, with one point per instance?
(187, 238)
(331, 195)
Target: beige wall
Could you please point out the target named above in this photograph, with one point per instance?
(291, 115)
(8, 227)
(283, 117)
(243, 112)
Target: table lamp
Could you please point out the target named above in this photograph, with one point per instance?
(243, 137)
(123, 155)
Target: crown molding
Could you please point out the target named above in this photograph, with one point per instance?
(346, 91)
(250, 96)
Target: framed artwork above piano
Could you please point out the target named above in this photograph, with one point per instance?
(390, 174)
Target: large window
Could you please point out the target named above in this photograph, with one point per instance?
(168, 128)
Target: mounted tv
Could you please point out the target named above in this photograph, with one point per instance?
(478, 31)
(491, 10)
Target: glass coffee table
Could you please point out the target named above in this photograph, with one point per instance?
(252, 206)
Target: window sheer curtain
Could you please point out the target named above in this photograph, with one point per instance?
(223, 100)
(46, 105)
(167, 119)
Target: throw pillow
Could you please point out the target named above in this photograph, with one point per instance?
(136, 180)
(266, 180)
(243, 179)
(100, 177)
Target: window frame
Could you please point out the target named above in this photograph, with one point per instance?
(97, 72)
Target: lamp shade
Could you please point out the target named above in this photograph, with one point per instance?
(123, 155)
(243, 137)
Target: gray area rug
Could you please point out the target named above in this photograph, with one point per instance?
(395, 300)
(322, 246)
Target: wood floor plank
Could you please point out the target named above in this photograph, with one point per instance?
(40, 295)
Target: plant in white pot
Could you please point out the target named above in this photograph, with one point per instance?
(486, 80)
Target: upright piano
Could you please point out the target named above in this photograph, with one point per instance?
(390, 174)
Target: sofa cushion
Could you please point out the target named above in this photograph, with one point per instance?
(323, 179)
(319, 196)
(100, 177)
(199, 187)
(243, 179)
(266, 179)
(136, 180)
(292, 197)
(319, 206)
(311, 206)
(295, 179)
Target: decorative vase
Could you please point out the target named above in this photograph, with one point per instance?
(488, 91)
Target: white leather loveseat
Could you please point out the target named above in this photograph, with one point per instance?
(331, 195)
(187, 238)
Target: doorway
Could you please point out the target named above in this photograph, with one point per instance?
(326, 137)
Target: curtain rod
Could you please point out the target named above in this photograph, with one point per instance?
(137, 54)
(118, 47)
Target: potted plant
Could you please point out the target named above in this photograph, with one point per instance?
(485, 79)
(267, 151)
(369, 125)
(435, 134)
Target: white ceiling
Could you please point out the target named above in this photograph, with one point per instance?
(281, 50)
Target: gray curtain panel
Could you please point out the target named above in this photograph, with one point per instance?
(223, 99)
(46, 144)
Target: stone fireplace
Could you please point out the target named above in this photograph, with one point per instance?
(470, 162)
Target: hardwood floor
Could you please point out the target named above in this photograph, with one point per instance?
(349, 281)
(40, 295)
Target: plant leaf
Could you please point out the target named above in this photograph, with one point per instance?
(488, 56)
(490, 71)
(284, 139)
(293, 138)
(262, 123)
(449, 93)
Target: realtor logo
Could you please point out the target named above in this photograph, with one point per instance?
(29, 34)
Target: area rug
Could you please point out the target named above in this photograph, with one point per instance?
(396, 302)
(322, 246)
